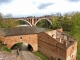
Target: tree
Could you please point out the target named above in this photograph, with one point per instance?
(8, 19)
(1, 20)
(1, 17)
(66, 23)
(55, 23)
(75, 31)
(44, 23)
(76, 23)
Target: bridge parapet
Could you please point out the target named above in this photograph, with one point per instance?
(33, 20)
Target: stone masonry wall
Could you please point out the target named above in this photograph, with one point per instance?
(71, 53)
(31, 39)
(51, 48)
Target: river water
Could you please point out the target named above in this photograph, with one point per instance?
(40, 29)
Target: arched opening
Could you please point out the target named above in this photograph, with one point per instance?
(44, 23)
(19, 23)
(22, 47)
(16, 46)
(30, 48)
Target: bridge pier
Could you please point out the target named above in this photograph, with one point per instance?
(33, 20)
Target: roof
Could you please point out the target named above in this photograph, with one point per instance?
(18, 31)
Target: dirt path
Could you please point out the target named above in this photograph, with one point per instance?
(27, 55)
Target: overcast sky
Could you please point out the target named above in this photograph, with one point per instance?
(38, 7)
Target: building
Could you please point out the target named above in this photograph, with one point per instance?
(12, 36)
(55, 44)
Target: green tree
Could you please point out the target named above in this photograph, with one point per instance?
(76, 23)
(75, 31)
(8, 19)
(55, 23)
(1, 18)
(44, 23)
(2, 25)
(66, 23)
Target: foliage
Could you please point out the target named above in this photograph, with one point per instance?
(7, 21)
(0, 44)
(75, 31)
(76, 24)
(55, 23)
(3, 25)
(15, 23)
(60, 21)
(44, 23)
(71, 25)
(22, 22)
(1, 17)
(66, 23)
(40, 55)
(19, 44)
(5, 48)
(3, 21)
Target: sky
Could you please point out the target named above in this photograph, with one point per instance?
(24, 8)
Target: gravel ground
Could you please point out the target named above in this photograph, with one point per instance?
(7, 56)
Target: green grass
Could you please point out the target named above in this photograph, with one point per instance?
(4, 48)
(40, 55)
(3, 25)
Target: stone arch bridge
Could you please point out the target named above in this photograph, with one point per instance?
(34, 20)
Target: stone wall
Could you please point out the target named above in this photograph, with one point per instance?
(71, 53)
(48, 43)
(53, 33)
(31, 39)
(51, 48)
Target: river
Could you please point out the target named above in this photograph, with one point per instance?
(40, 29)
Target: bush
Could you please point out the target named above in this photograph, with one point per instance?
(19, 44)
(56, 24)
(5, 48)
(0, 44)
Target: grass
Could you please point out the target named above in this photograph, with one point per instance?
(4, 48)
(40, 55)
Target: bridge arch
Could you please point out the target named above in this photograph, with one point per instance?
(45, 19)
(22, 20)
(23, 47)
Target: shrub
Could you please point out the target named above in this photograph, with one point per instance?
(5, 48)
